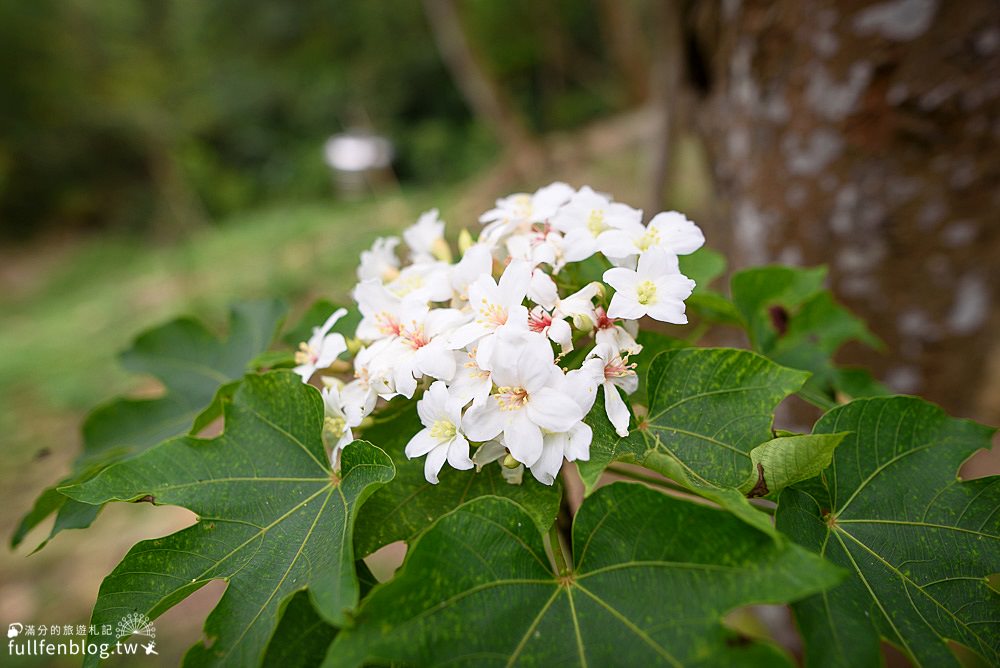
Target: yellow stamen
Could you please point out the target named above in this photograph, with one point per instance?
(646, 293)
(443, 430)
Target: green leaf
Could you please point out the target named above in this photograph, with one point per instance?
(708, 408)
(477, 589)
(785, 461)
(703, 266)
(197, 370)
(303, 636)
(273, 519)
(919, 543)
(406, 506)
(793, 320)
(653, 343)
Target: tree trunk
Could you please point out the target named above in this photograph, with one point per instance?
(863, 135)
(483, 95)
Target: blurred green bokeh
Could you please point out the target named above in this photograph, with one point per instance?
(149, 116)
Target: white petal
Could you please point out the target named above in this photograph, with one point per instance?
(488, 452)
(546, 468)
(542, 289)
(435, 360)
(616, 409)
(656, 262)
(553, 410)
(458, 454)
(621, 279)
(435, 460)
(615, 243)
(466, 334)
(483, 422)
(421, 443)
(678, 234)
(523, 438)
(624, 305)
(578, 448)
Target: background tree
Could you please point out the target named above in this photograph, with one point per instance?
(864, 135)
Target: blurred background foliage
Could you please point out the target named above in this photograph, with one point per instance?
(149, 116)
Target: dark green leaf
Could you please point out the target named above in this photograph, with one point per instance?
(477, 589)
(273, 519)
(703, 266)
(406, 506)
(302, 636)
(919, 542)
(708, 408)
(793, 320)
(197, 370)
(653, 343)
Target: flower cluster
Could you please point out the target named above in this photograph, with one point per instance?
(507, 347)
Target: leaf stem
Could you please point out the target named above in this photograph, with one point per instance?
(640, 477)
(558, 549)
(667, 484)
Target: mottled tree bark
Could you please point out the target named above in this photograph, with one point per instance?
(864, 135)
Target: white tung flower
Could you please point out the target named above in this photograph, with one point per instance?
(441, 439)
(321, 349)
(528, 398)
(339, 417)
(493, 305)
(470, 382)
(380, 262)
(476, 261)
(587, 217)
(425, 238)
(428, 281)
(670, 231)
(521, 210)
(612, 371)
(655, 288)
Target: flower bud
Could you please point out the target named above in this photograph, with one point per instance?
(509, 462)
(465, 241)
(601, 289)
(441, 250)
(583, 323)
(354, 346)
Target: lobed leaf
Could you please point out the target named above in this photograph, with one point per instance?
(273, 520)
(708, 409)
(477, 589)
(792, 319)
(197, 370)
(919, 542)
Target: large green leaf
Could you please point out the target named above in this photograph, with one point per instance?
(794, 320)
(303, 636)
(273, 519)
(652, 576)
(196, 369)
(708, 409)
(919, 542)
(406, 506)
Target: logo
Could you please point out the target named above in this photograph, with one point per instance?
(135, 624)
(14, 630)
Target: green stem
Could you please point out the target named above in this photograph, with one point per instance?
(558, 550)
(635, 475)
(667, 484)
